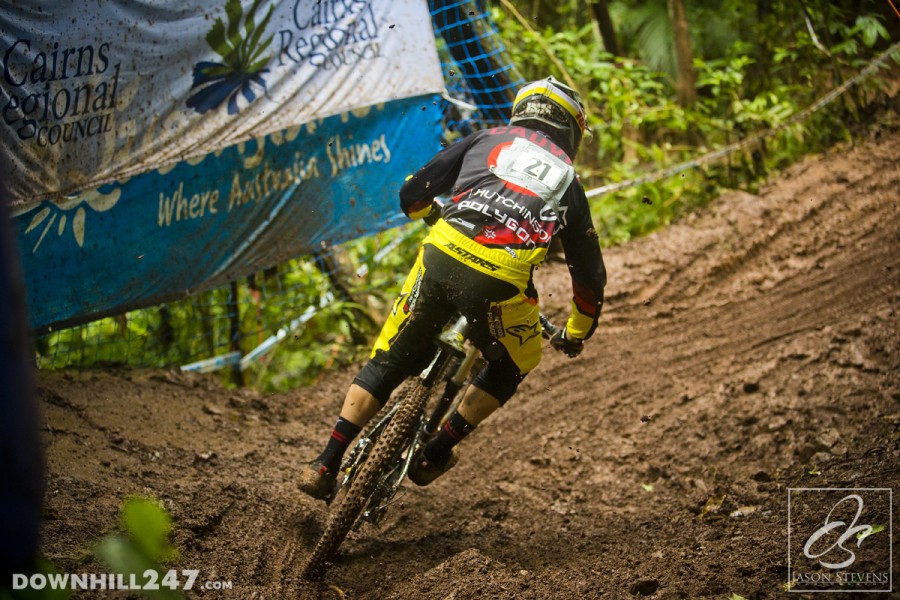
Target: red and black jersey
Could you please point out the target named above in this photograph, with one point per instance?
(511, 190)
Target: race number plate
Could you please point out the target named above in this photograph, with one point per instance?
(528, 165)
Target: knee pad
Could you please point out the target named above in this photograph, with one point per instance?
(379, 380)
(500, 379)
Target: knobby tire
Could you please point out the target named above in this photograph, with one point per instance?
(344, 514)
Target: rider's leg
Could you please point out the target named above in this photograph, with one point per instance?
(475, 407)
(399, 352)
(369, 391)
(359, 406)
(510, 358)
(366, 395)
(438, 456)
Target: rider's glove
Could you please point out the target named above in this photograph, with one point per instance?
(570, 346)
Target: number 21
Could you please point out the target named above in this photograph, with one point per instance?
(532, 168)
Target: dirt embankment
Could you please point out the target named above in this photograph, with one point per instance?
(749, 349)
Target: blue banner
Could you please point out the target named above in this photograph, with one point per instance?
(198, 224)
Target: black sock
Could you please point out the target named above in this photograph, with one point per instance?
(343, 433)
(454, 431)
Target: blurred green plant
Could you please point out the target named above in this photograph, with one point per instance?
(144, 544)
(135, 554)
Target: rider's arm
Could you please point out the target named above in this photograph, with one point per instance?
(435, 178)
(582, 248)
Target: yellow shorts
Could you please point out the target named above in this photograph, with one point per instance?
(504, 319)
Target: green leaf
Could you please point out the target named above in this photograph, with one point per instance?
(220, 70)
(262, 48)
(258, 32)
(216, 40)
(867, 532)
(871, 30)
(249, 22)
(235, 12)
(123, 556)
(258, 66)
(149, 525)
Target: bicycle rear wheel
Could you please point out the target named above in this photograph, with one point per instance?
(350, 504)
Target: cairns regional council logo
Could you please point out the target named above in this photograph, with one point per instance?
(242, 49)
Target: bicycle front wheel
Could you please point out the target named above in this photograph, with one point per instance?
(350, 504)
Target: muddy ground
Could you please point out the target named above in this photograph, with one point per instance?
(751, 348)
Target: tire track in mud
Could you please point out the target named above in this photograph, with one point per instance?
(735, 331)
(744, 225)
(258, 533)
(847, 287)
(801, 300)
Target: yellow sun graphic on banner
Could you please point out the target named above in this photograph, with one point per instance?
(59, 213)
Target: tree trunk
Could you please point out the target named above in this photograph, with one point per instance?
(234, 334)
(604, 22)
(686, 83)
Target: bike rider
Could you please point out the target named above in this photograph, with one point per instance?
(512, 189)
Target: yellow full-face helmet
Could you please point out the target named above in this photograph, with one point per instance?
(556, 109)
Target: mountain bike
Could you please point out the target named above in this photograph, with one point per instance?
(376, 466)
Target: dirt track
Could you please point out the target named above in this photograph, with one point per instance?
(749, 349)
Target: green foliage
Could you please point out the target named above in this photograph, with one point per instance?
(646, 32)
(324, 342)
(754, 73)
(145, 544)
(135, 555)
(340, 332)
(149, 525)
